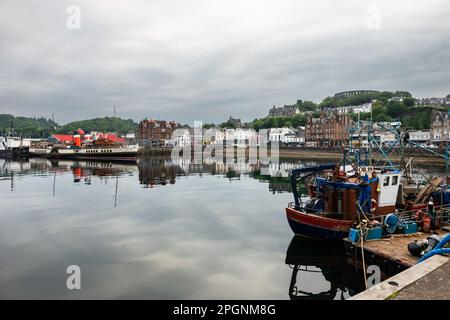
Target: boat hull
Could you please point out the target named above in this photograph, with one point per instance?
(317, 227)
(107, 154)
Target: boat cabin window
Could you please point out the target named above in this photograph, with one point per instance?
(394, 180)
(386, 181)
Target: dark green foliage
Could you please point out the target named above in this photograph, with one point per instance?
(279, 122)
(306, 105)
(106, 124)
(208, 125)
(41, 127)
(228, 125)
(408, 102)
(395, 109)
(27, 127)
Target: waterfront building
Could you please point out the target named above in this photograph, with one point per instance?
(420, 136)
(287, 135)
(238, 137)
(181, 139)
(440, 127)
(286, 111)
(327, 131)
(278, 134)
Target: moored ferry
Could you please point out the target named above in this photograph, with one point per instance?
(98, 153)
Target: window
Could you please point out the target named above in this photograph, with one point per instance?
(394, 180)
(386, 181)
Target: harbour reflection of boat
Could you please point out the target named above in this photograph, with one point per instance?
(306, 255)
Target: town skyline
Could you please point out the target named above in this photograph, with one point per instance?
(214, 59)
(232, 113)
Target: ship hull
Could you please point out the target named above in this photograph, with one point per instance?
(316, 226)
(129, 154)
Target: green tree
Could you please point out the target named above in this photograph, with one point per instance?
(402, 94)
(27, 127)
(208, 125)
(395, 109)
(228, 125)
(408, 102)
(106, 124)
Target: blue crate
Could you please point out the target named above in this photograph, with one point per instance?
(411, 227)
(374, 233)
(354, 234)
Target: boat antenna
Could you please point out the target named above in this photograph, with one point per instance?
(369, 139)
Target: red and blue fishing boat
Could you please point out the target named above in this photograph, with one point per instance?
(339, 197)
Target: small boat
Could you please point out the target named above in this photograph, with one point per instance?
(14, 146)
(339, 198)
(352, 191)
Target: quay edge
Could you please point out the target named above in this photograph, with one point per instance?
(404, 283)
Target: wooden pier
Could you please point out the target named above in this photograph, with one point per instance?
(390, 254)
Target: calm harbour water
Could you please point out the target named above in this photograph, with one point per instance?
(156, 230)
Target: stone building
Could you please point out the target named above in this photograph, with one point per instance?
(155, 132)
(440, 127)
(286, 111)
(235, 122)
(327, 131)
(346, 94)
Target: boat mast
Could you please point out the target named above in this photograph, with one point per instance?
(369, 139)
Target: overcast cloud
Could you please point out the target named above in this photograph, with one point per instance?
(208, 59)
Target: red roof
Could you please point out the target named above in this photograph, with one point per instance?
(67, 138)
(111, 137)
(63, 138)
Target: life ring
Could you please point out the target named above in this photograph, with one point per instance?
(373, 205)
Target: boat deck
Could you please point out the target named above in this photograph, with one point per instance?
(390, 254)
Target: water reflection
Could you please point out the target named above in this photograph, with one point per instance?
(157, 229)
(325, 260)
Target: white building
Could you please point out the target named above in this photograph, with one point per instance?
(363, 108)
(420, 136)
(285, 135)
(181, 138)
(237, 137)
(277, 134)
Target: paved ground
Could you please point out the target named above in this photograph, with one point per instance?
(433, 286)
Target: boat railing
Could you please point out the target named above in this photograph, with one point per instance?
(442, 211)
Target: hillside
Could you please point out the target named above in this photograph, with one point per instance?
(106, 124)
(41, 127)
(28, 127)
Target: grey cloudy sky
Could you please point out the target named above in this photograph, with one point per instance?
(208, 59)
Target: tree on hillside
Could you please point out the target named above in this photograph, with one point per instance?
(395, 109)
(448, 96)
(402, 94)
(306, 105)
(228, 125)
(106, 124)
(408, 102)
